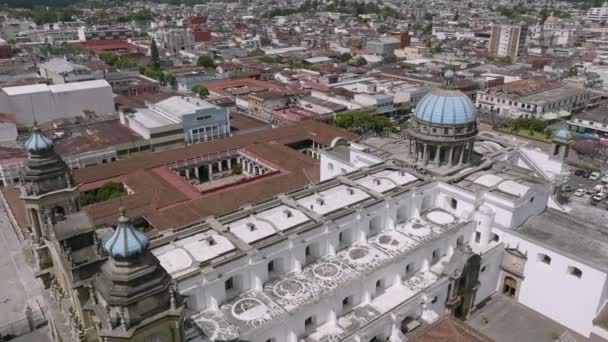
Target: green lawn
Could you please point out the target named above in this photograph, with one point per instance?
(526, 134)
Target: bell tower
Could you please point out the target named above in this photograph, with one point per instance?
(48, 191)
(134, 298)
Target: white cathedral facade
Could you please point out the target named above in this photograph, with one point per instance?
(388, 242)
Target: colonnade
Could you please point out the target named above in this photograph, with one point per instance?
(437, 154)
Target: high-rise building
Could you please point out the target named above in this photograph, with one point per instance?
(508, 40)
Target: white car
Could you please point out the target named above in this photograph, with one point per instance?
(598, 197)
(579, 192)
(595, 176)
(604, 179)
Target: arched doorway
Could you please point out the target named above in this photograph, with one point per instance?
(466, 287)
(509, 287)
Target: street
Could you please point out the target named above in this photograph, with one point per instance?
(17, 283)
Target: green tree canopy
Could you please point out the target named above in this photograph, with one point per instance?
(360, 60)
(345, 57)
(200, 90)
(364, 122)
(154, 57)
(107, 191)
(205, 61)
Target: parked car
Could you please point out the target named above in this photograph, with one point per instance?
(598, 188)
(604, 179)
(567, 188)
(598, 197)
(589, 191)
(579, 192)
(579, 172)
(587, 174)
(594, 176)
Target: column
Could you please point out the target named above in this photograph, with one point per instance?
(461, 148)
(437, 155)
(229, 164)
(219, 166)
(210, 171)
(197, 173)
(472, 145)
(425, 154)
(188, 173)
(451, 156)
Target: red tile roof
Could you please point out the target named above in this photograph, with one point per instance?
(166, 206)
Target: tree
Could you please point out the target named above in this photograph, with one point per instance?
(206, 62)
(436, 49)
(154, 58)
(382, 29)
(107, 191)
(200, 90)
(360, 61)
(171, 80)
(256, 53)
(364, 122)
(345, 57)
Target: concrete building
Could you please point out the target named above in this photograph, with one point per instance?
(385, 46)
(508, 40)
(591, 124)
(101, 32)
(6, 50)
(552, 33)
(531, 98)
(43, 103)
(62, 71)
(174, 40)
(178, 120)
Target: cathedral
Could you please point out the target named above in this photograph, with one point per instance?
(401, 236)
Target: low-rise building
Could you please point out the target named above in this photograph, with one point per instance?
(530, 98)
(178, 120)
(43, 103)
(103, 32)
(383, 46)
(174, 40)
(61, 71)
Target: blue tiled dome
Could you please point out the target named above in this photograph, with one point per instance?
(446, 107)
(563, 133)
(127, 241)
(38, 142)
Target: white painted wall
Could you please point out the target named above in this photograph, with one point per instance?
(552, 291)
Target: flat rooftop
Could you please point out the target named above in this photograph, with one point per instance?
(584, 242)
(255, 309)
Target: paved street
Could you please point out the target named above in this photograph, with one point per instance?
(17, 282)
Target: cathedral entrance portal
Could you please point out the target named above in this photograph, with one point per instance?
(509, 287)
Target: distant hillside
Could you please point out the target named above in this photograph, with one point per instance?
(36, 3)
